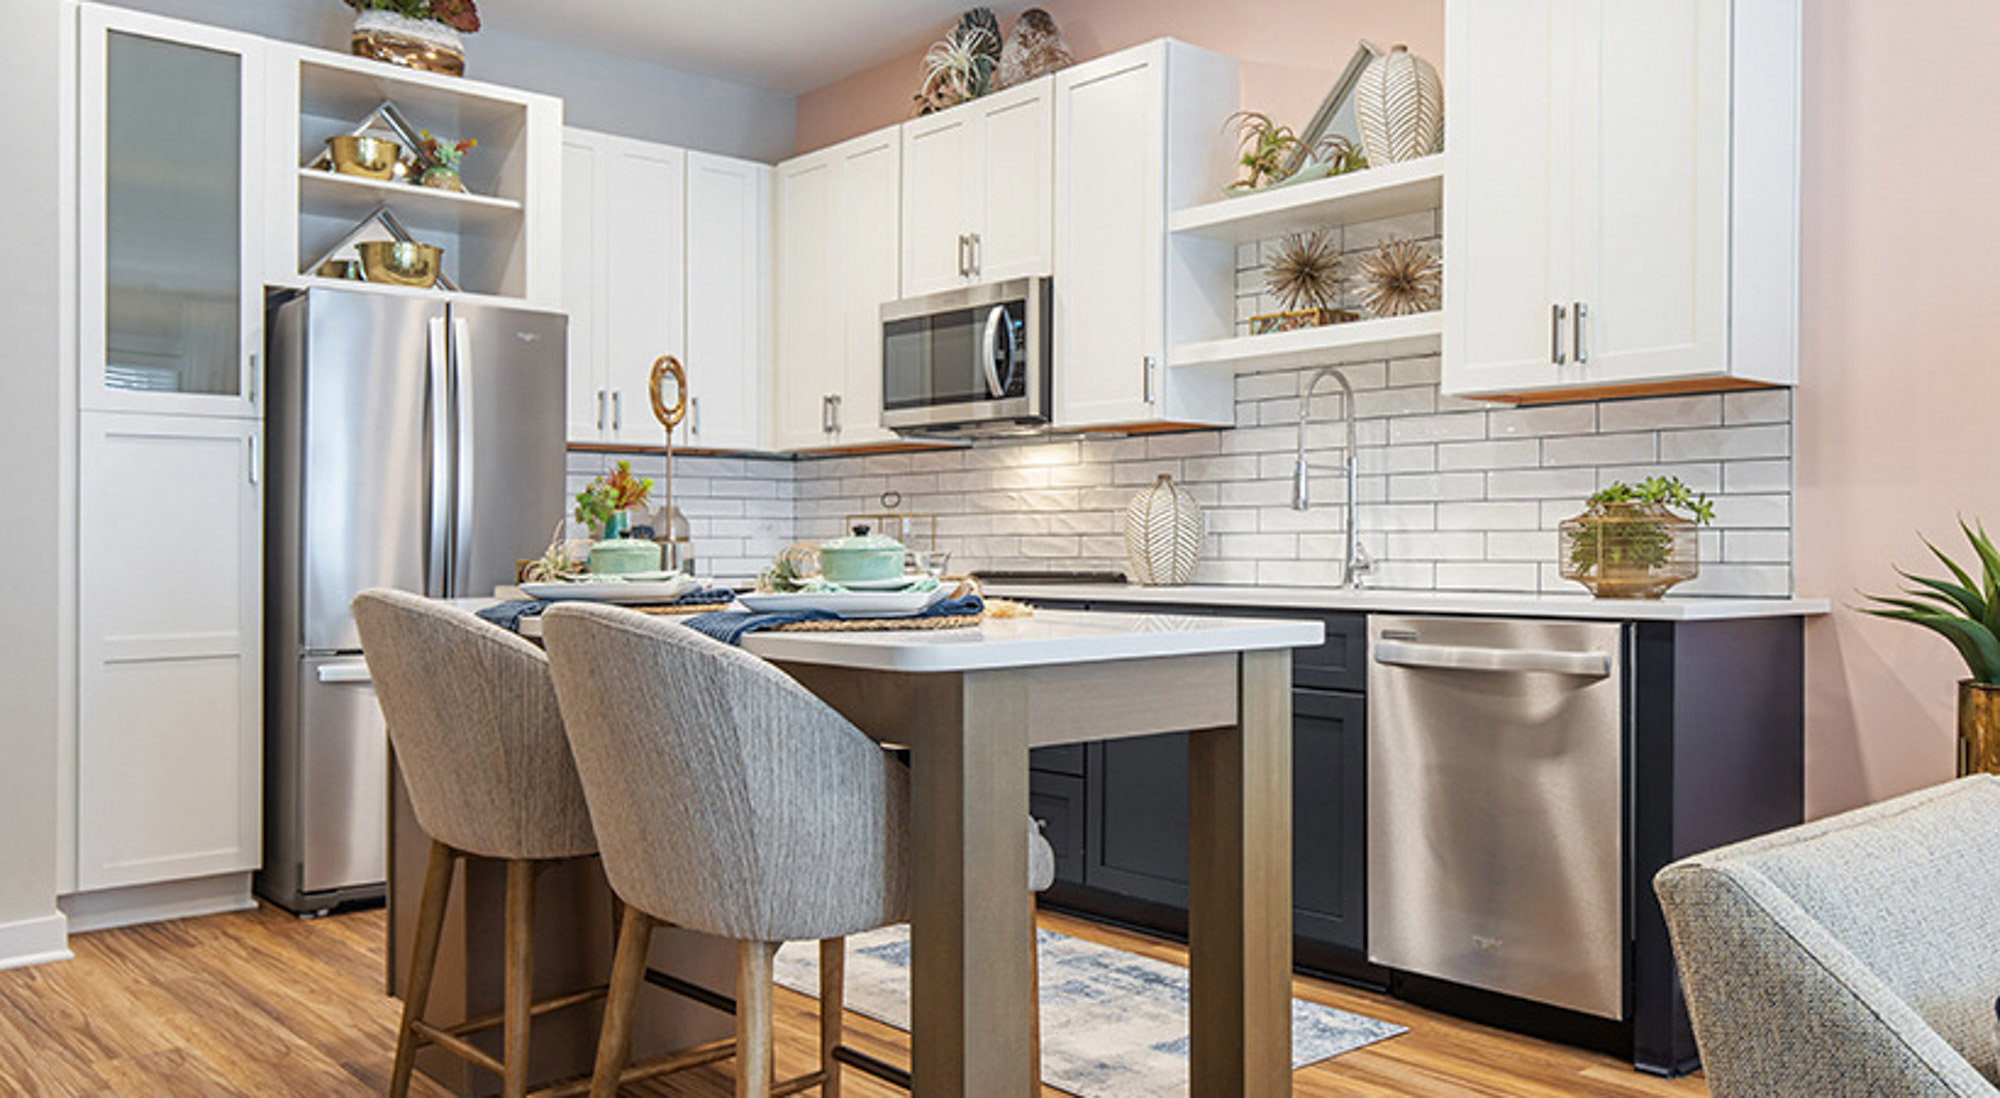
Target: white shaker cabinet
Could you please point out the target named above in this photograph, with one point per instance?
(623, 256)
(836, 253)
(977, 185)
(1620, 197)
(169, 698)
(728, 303)
(1139, 133)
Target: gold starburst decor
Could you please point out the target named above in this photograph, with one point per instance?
(1399, 278)
(1304, 272)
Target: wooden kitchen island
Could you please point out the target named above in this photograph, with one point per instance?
(969, 704)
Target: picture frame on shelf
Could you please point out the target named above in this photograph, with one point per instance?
(1336, 111)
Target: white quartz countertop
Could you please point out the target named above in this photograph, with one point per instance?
(1421, 602)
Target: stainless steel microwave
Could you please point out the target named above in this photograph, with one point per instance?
(969, 362)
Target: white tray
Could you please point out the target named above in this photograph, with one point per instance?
(853, 604)
(613, 590)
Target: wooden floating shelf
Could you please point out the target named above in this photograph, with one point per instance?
(1411, 186)
(331, 194)
(1330, 345)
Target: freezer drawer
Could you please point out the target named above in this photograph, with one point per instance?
(1496, 807)
(343, 777)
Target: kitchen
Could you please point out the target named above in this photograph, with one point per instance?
(1456, 496)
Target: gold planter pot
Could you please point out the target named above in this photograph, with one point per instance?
(1978, 728)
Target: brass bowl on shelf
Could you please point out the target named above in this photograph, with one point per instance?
(339, 268)
(400, 262)
(367, 157)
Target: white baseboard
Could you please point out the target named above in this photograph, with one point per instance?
(115, 907)
(34, 941)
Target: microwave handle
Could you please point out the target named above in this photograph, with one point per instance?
(996, 327)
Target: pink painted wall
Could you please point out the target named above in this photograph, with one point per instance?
(1901, 266)
(1895, 431)
(1290, 51)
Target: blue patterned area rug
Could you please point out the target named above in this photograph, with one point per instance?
(1114, 1024)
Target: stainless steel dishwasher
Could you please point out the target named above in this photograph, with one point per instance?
(1496, 807)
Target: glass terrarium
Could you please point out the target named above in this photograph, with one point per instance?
(1629, 550)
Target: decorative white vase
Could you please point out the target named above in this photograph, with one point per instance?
(1399, 107)
(1163, 531)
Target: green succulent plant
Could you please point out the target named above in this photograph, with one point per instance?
(1964, 610)
(1636, 542)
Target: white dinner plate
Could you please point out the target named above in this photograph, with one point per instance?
(853, 604)
(613, 590)
(896, 584)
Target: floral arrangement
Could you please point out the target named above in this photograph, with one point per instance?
(447, 153)
(612, 494)
(460, 15)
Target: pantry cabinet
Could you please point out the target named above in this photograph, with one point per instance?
(977, 184)
(1621, 208)
(728, 303)
(1138, 134)
(836, 250)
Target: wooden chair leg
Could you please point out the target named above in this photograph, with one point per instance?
(756, 1063)
(423, 962)
(519, 993)
(628, 975)
(1034, 998)
(832, 1006)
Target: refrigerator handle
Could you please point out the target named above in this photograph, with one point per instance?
(437, 459)
(462, 494)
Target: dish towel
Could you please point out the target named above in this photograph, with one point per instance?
(508, 615)
(731, 626)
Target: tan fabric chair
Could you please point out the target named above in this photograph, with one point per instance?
(472, 715)
(730, 800)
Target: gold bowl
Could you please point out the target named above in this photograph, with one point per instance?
(400, 262)
(368, 157)
(339, 268)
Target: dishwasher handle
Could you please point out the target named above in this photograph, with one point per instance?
(1459, 658)
(344, 671)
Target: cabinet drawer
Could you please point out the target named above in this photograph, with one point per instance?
(1056, 803)
(1338, 663)
(1067, 759)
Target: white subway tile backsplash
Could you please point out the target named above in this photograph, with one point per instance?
(1513, 453)
(1456, 426)
(1655, 413)
(1757, 406)
(1501, 515)
(1762, 441)
(1571, 484)
(1757, 476)
(1555, 419)
(1613, 449)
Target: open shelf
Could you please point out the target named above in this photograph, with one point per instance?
(1329, 345)
(332, 194)
(1410, 186)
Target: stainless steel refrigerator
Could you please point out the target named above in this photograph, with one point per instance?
(414, 443)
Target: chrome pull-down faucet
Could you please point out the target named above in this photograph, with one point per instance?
(1355, 563)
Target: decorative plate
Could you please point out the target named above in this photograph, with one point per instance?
(629, 589)
(853, 604)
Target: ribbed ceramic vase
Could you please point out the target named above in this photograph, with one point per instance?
(1399, 107)
(1163, 531)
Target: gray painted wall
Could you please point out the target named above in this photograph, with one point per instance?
(600, 92)
(29, 380)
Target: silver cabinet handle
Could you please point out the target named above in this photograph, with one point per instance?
(826, 413)
(694, 414)
(618, 409)
(600, 409)
(254, 382)
(256, 462)
(977, 248)
(1150, 366)
(1576, 333)
(1457, 658)
(964, 259)
(1556, 335)
(835, 400)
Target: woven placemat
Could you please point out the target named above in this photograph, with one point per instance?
(688, 608)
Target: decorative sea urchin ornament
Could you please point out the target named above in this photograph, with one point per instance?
(1304, 272)
(1036, 47)
(1400, 278)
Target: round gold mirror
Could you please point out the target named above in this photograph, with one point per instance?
(668, 388)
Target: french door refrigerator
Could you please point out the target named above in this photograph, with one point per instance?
(415, 443)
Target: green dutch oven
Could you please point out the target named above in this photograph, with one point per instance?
(862, 558)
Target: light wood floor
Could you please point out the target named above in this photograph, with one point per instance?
(259, 1003)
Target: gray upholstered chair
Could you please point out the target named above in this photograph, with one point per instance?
(730, 800)
(1852, 955)
(473, 718)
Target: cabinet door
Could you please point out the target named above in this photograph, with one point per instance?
(645, 253)
(1509, 195)
(169, 214)
(1330, 818)
(1016, 183)
(1651, 252)
(169, 692)
(583, 287)
(942, 178)
(809, 340)
(1110, 223)
(1137, 817)
(727, 286)
(869, 273)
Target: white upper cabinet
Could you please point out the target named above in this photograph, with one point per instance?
(837, 249)
(977, 183)
(728, 303)
(1580, 258)
(1139, 133)
(170, 168)
(623, 256)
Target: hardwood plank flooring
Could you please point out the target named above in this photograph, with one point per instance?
(259, 1003)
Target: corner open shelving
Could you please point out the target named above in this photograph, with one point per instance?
(1329, 345)
(1411, 186)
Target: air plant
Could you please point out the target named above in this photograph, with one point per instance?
(460, 15)
(958, 68)
(555, 563)
(1963, 610)
(1268, 150)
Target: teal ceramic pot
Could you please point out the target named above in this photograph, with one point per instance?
(863, 558)
(622, 556)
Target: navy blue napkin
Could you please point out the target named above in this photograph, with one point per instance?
(508, 615)
(730, 626)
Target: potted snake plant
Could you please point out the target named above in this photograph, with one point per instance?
(1965, 610)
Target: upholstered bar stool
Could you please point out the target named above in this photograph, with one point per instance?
(472, 715)
(728, 799)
